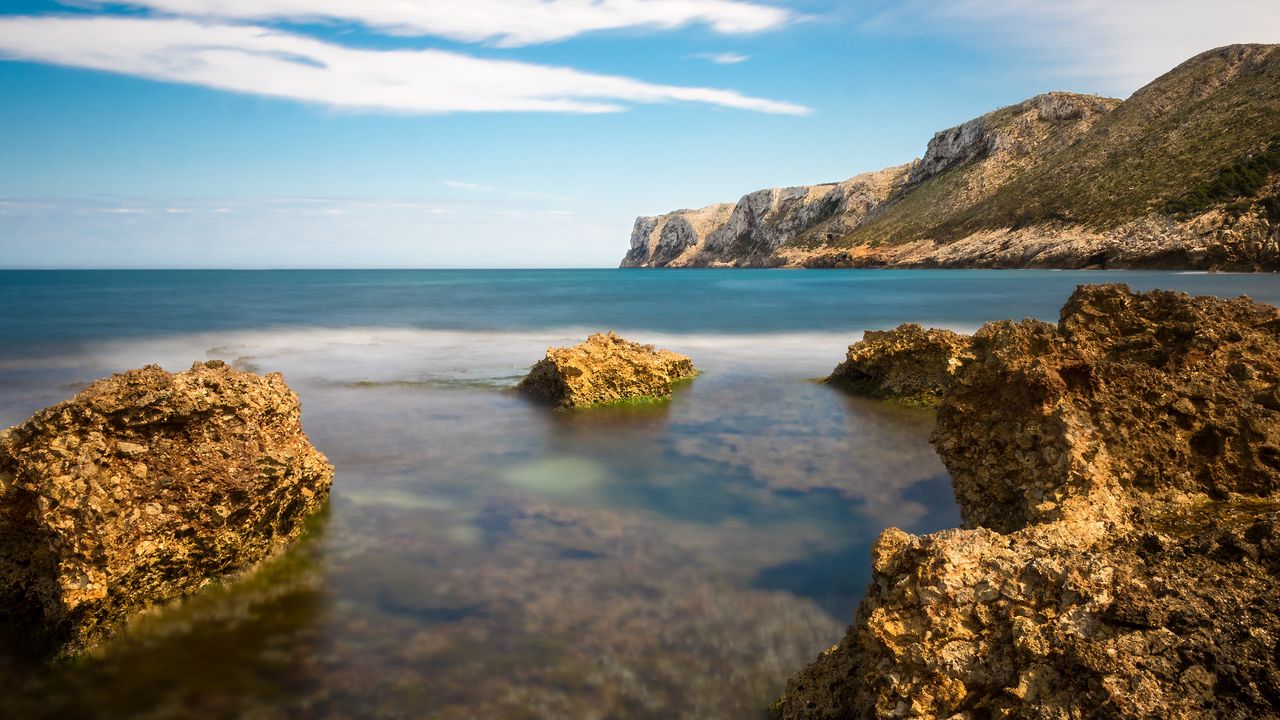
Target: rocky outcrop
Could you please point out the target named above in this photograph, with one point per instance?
(143, 488)
(755, 231)
(908, 363)
(1061, 180)
(671, 239)
(605, 370)
(1119, 475)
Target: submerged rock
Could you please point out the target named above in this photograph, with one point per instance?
(143, 488)
(605, 370)
(908, 363)
(1119, 475)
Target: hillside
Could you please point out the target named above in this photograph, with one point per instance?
(1185, 173)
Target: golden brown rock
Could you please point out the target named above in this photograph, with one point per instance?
(1120, 476)
(142, 488)
(908, 363)
(605, 370)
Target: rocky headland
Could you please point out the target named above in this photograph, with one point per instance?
(143, 488)
(1185, 173)
(605, 370)
(1119, 478)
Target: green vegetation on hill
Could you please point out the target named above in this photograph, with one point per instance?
(1162, 150)
(1241, 179)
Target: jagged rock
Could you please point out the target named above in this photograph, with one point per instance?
(143, 488)
(1119, 474)
(907, 363)
(605, 370)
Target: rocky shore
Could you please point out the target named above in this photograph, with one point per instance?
(143, 488)
(1119, 478)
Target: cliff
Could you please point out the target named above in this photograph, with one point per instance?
(143, 488)
(1183, 174)
(1119, 478)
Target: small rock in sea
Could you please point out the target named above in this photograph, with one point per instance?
(908, 363)
(141, 489)
(605, 370)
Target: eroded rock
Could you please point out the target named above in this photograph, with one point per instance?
(142, 488)
(605, 370)
(908, 363)
(1118, 476)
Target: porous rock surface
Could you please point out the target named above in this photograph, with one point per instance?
(1119, 475)
(604, 370)
(141, 489)
(908, 363)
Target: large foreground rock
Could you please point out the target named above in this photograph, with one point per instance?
(141, 489)
(1119, 474)
(908, 363)
(605, 370)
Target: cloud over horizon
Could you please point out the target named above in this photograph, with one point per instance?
(1120, 46)
(507, 23)
(265, 61)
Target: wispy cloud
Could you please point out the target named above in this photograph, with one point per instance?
(724, 58)
(270, 62)
(1118, 46)
(504, 22)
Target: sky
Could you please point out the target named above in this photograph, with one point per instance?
(503, 133)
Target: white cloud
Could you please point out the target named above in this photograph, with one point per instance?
(1118, 45)
(460, 185)
(726, 58)
(269, 62)
(505, 22)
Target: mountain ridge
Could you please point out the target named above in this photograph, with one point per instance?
(1185, 173)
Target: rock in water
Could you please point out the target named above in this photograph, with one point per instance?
(907, 363)
(1119, 474)
(141, 489)
(605, 370)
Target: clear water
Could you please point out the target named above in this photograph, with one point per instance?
(485, 558)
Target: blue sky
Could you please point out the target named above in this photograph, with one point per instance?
(503, 133)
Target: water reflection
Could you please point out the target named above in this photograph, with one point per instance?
(485, 558)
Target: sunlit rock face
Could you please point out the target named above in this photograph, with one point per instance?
(605, 370)
(908, 363)
(1119, 474)
(143, 488)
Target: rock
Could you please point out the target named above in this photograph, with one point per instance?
(1120, 483)
(907, 363)
(605, 370)
(143, 488)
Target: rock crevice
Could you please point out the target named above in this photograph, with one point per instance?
(1118, 479)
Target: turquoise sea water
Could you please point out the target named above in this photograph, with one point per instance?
(485, 558)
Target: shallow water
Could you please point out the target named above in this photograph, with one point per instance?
(484, 558)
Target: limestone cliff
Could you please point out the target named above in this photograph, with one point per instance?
(1183, 174)
(143, 488)
(1119, 476)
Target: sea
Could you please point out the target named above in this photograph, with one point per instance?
(484, 557)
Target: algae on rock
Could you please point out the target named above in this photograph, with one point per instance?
(605, 370)
(143, 488)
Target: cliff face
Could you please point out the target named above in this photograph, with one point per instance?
(1119, 476)
(1182, 174)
